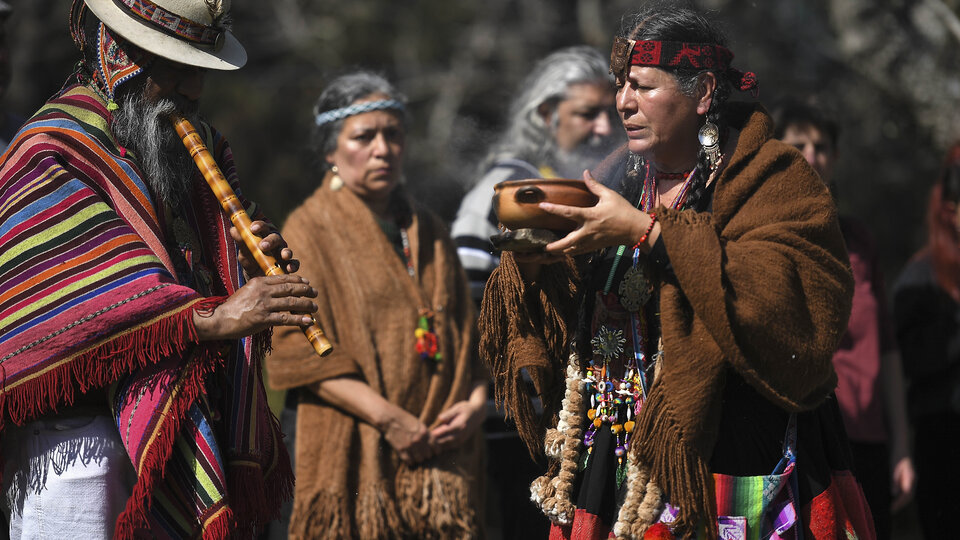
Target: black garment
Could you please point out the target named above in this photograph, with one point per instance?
(752, 432)
(937, 454)
(751, 439)
(510, 471)
(928, 329)
(872, 468)
(927, 323)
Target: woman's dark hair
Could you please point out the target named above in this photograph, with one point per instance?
(342, 92)
(794, 111)
(944, 238)
(661, 21)
(673, 21)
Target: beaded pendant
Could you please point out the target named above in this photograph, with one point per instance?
(612, 401)
(608, 343)
(427, 345)
(635, 289)
(427, 342)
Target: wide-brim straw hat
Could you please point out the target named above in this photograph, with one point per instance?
(184, 31)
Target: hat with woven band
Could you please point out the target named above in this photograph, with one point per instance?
(189, 32)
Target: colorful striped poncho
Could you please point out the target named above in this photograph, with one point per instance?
(89, 298)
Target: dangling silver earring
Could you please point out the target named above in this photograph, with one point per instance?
(336, 182)
(709, 137)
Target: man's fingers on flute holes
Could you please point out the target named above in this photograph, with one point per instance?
(294, 290)
(296, 304)
(286, 318)
(283, 279)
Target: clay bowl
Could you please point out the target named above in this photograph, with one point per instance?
(515, 202)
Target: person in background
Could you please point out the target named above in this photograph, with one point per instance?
(9, 122)
(561, 122)
(134, 321)
(870, 388)
(926, 306)
(388, 424)
(680, 337)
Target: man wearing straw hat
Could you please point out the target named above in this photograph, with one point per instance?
(131, 325)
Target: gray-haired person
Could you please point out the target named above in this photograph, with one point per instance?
(561, 122)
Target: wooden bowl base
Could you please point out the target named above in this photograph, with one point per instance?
(524, 240)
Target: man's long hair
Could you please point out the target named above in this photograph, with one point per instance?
(528, 137)
(144, 127)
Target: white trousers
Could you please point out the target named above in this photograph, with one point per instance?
(65, 478)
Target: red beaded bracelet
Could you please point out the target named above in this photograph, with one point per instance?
(653, 219)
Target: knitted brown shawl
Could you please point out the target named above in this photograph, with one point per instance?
(762, 286)
(350, 482)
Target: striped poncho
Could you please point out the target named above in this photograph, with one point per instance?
(89, 298)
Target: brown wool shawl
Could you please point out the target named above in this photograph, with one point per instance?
(762, 286)
(350, 482)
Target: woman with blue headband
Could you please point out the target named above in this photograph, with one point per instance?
(387, 438)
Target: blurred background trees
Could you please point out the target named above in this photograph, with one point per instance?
(888, 68)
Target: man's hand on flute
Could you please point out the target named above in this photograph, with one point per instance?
(261, 303)
(271, 243)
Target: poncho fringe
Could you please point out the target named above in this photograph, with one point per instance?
(674, 463)
(428, 504)
(525, 328)
(167, 334)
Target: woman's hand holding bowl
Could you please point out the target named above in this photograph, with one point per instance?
(612, 221)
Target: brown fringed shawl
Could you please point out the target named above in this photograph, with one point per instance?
(762, 286)
(350, 482)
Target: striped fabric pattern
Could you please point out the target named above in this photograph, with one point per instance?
(81, 252)
(89, 294)
(751, 497)
(763, 506)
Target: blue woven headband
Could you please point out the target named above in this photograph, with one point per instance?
(357, 108)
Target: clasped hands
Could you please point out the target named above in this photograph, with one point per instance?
(414, 442)
(264, 301)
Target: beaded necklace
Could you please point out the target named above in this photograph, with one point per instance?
(616, 401)
(427, 344)
(405, 243)
(660, 175)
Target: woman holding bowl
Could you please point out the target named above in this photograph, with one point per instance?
(681, 336)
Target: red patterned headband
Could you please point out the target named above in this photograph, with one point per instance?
(175, 25)
(676, 54)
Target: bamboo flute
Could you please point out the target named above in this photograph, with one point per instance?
(238, 216)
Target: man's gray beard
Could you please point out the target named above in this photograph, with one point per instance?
(587, 155)
(143, 127)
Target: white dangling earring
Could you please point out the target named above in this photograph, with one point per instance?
(336, 182)
(709, 137)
